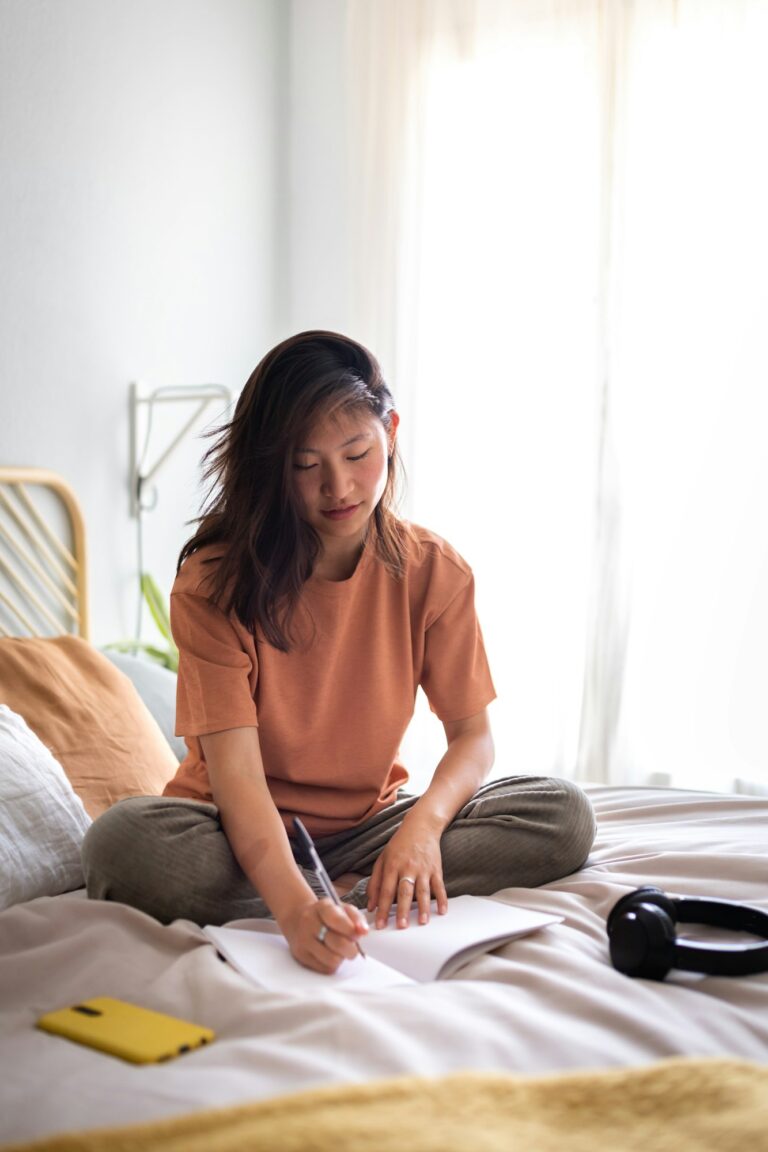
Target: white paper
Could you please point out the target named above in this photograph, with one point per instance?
(265, 958)
(470, 926)
(419, 953)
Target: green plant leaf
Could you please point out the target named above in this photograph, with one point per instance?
(168, 657)
(156, 604)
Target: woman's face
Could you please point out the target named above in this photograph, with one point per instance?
(340, 475)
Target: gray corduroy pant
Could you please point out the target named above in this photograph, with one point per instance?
(170, 857)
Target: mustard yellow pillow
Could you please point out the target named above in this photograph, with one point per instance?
(89, 715)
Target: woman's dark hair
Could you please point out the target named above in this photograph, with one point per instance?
(269, 551)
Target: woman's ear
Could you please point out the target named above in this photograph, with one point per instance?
(394, 420)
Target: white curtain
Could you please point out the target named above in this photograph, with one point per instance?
(560, 253)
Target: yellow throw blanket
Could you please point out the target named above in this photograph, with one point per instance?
(674, 1106)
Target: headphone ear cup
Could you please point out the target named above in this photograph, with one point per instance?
(642, 942)
(646, 895)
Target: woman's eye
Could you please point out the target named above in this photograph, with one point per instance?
(361, 456)
(303, 467)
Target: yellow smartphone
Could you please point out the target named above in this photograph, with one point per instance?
(125, 1030)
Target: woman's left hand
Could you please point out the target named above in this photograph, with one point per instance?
(409, 869)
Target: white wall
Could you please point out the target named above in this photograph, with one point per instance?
(317, 176)
(141, 237)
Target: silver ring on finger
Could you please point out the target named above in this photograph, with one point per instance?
(407, 880)
(322, 934)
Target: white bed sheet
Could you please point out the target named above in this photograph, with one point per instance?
(546, 1003)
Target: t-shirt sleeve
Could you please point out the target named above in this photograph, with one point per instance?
(217, 674)
(455, 673)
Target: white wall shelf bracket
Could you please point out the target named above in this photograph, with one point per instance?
(193, 401)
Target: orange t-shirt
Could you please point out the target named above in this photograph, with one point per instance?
(332, 712)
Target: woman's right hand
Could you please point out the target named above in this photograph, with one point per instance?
(258, 839)
(321, 934)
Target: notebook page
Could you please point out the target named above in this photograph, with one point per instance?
(472, 924)
(265, 958)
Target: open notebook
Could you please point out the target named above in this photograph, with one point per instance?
(417, 954)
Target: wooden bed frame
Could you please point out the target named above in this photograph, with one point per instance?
(43, 564)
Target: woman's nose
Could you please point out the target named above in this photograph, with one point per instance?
(336, 482)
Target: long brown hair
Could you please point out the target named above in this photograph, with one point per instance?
(268, 550)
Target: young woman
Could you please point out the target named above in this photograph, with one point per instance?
(306, 616)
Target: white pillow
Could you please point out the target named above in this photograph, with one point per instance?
(157, 687)
(42, 820)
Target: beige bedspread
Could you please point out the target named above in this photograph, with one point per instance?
(548, 1003)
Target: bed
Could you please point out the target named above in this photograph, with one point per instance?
(541, 1042)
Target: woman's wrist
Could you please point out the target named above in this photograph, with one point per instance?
(427, 816)
(462, 770)
(287, 898)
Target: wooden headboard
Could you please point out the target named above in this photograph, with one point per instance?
(43, 576)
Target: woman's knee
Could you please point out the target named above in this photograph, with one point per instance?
(116, 847)
(148, 852)
(518, 832)
(563, 823)
(576, 826)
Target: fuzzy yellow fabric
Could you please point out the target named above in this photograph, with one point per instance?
(673, 1106)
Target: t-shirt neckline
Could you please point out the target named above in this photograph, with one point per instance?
(340, 587)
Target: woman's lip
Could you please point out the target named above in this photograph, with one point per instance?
(340, 513)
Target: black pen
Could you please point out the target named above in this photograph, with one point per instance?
(309, 858)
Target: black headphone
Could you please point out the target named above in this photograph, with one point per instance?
(643, 942)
